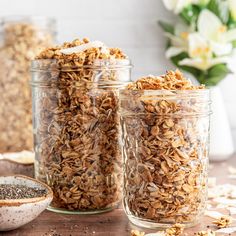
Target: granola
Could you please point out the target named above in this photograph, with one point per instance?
(223, 222)
(77, 124)
(206, 233)
(165, 136)
(174, 230)
(137, 233)
(21, 43)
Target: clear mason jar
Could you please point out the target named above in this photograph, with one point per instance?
(165, 140)
(21, 39)
(76, 129)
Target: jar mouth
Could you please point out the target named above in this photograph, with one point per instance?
(43, 22)
(26, 18)
(99, 85)
(167, 93)
(191, 103)
(103, 73)
(48, 65)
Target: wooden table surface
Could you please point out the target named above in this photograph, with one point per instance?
(114, 223)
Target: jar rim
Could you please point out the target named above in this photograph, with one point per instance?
(148, 92)
(29, 18)
(105, 64)
(98, 84)
(42, 22)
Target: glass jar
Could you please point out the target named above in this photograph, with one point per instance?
(165, 140)
(76, 128)
(21, 39)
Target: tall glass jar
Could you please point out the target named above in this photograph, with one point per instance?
(165, 139)
(21, 39)
(76, 129)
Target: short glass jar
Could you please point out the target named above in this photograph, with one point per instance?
(165, 140)
(21, 39)
(76, 129)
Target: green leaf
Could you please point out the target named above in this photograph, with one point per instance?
(213, 6)
(216, 74)
(218, 70)
(175, 60)
(234, 43)
(231, 23)
(190, 14)
(166, 27)
(219, 8)
(212, 81)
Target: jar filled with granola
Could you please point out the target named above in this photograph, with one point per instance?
(165, 138)
(22, 38)
(76, 124)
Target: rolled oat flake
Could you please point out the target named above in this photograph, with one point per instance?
(13, 191)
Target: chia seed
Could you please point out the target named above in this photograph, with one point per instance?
(15, 191)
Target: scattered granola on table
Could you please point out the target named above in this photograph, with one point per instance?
(77, 124)
(174, 230)
(22, 41)
(206, 233)
(165, 124)
(223, 222)
(137, 233)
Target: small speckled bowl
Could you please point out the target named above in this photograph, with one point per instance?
(18, 163)
(18, 212)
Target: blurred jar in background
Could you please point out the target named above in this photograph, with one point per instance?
(22, 38)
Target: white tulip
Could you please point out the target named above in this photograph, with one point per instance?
(201, 53)
(211, 45)
(178, 45)
(198, 46)
(212, 29)
(232, 8)
(179, 41)
(177, 5)
(203, 64)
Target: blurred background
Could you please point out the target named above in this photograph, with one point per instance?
(131, 25)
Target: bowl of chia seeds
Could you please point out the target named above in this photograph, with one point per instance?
(22, 199)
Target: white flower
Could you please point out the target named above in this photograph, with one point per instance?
(232, 8)
(212, 29)
(209, 46)
(201, 53)
(179, 41)
(177, 5)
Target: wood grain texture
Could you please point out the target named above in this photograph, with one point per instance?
(114, 223)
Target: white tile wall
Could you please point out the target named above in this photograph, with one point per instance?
(130, 24)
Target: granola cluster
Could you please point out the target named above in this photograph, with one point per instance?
(21, 43)
(172, 80)
(174, 230)
(206, 233)
(165, 136)
(137, 233)
(77, 124)
(223, 222)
